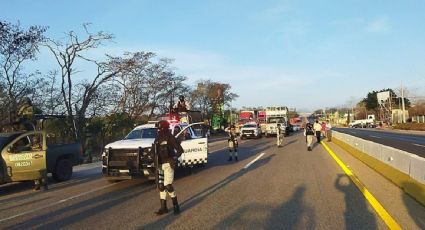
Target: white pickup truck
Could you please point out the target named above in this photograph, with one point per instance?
(132, 157)
(364, 123)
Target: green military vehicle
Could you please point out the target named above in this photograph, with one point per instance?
(26, 155)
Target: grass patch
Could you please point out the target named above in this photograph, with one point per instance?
(411, 126)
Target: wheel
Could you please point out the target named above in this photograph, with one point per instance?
(242, 137)
(267, 135)
(63, 170)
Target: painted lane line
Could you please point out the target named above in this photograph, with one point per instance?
(56, 203)
(386, 217)
(253, 161)
(374, 136)
(419, 145)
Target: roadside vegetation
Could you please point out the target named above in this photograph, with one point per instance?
(103, 97)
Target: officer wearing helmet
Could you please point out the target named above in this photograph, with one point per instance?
(25, 114)
(168, 150)
(233, 143)
(181, 105)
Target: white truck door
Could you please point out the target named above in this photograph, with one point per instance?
(195, 145)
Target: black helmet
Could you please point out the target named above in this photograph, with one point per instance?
(181, 98)
(232, 126)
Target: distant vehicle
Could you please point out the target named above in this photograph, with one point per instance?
(251, 130)
(245, 116)
(276, 115)
(27, 154)
(262, 120)
(364, 123)
(133, 157)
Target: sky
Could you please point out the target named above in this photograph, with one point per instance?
(302, 54)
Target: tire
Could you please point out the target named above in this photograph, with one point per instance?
(63, 170)
(242, 137)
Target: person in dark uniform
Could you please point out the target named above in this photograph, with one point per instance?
(233, 142)
(25, 115)
(168, 150)
(181, 105)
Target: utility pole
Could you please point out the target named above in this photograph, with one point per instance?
(402, 103)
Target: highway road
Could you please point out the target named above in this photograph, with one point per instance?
(268, 188)
(412, 143)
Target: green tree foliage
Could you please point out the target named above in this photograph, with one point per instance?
(371, 100)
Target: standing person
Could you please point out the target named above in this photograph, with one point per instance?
(309, 134)
(168, 150)
(318, 129)
(279, 135)
(323, 129)
(329, 131)
(181, 105)
(25, 114)
(233, 142)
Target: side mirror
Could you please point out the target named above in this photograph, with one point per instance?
(10, 149)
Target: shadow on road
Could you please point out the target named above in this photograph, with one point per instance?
(357, 215)
(199, 197)
(293, 214)
(85, 209)
(415, 209)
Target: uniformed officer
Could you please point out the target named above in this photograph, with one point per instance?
(168, 150)
(279, 135)
(25, 114)
(233, 142)
(181, 105)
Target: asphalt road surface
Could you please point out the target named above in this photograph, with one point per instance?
(268, 188)
(408, 142)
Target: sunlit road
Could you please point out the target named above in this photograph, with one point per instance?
(268, 188)
(408, 142)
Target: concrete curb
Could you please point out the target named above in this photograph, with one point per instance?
(412, 187)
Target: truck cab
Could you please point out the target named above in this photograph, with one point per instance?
(133, 156)
(23, 156)
(251, 130)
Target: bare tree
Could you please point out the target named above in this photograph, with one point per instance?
(78, 95)
(17, 46)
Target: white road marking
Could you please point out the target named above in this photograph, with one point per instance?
(419, 145)
(56, 203)
(253, 161)
(374, 136)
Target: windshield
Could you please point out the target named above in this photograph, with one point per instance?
(142, 133)
(250, 126)
(275, 120)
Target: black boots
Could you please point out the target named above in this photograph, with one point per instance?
(163, 208)
(176, 206)
(236, 158)
(230, 159)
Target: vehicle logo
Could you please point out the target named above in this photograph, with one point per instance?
(36, 156)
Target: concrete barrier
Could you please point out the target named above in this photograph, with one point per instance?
(396, 158)
(372, 149)
(404, 169)
(417, 168)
